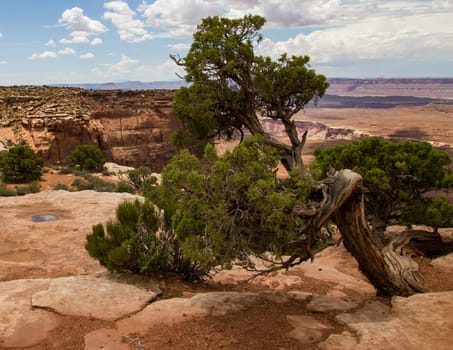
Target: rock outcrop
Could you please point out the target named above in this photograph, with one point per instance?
(132, 128)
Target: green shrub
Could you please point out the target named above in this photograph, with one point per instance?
(124, 187)
(34, 187)
(5, 191)
(61, 186)
(94, 183)
(141, 178)
(87, 157)
(131, 243)
(20, 164)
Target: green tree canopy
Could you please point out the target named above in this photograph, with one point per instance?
(231, 86)
(20, 164)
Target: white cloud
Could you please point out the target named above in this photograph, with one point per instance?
(77, 38)
(115, 70)
(442, 3)
(67, 51)
(96, 41)
(411, 38)
(130, 29)
(81, 26)
(50, 43)
(1, 35)
(179, 18)
(87, 56)
(179, 47)
(3, 62)
(131, 69)
(42, 55)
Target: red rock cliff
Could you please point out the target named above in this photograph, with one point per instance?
(131, 127)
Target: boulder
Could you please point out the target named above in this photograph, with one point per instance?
(422, 321)
(20, 324)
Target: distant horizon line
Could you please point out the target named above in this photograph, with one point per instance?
(182, 82)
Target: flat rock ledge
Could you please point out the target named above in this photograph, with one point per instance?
(28, 308)
(422, 321)
(20, 325)
(171, 311)
(99, 297)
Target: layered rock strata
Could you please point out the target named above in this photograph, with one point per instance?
(132, 128)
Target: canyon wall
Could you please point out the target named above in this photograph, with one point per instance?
(131, 127)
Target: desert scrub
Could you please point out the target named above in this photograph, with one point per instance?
(33, 187)
(5, 191)
(91, 182)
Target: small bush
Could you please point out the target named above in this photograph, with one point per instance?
(34, 187)
(20, 164)
(130, 243)
(124, 187)
(61, 186)
(90, 182)
(87, 157)
(141, 178)
(5, 191)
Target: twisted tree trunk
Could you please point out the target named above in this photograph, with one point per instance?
(389, 271)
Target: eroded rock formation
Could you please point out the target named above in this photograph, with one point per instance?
(131, 127)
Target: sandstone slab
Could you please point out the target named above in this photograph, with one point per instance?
(41, 249)
(307, 329)
(327, 303)
(20, 324)
(443, 261)
(421, 321)
(101, 297)
(337, 265)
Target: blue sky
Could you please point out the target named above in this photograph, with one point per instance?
(93, 41)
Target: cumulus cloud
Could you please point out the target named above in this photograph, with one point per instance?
(50, 43)
(81, 26)
(3, 62)
(43, 55)
(87, 56)
(416, 37)
(130, 29)
(132, 69)
(67, 51)
(1, 35)
(96, 41)
(442, 3)
(123, 67)
(179, 47)
(179, 18)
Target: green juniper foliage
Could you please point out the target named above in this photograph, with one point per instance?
(226, 207)
(231, 86)
(130, 243)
